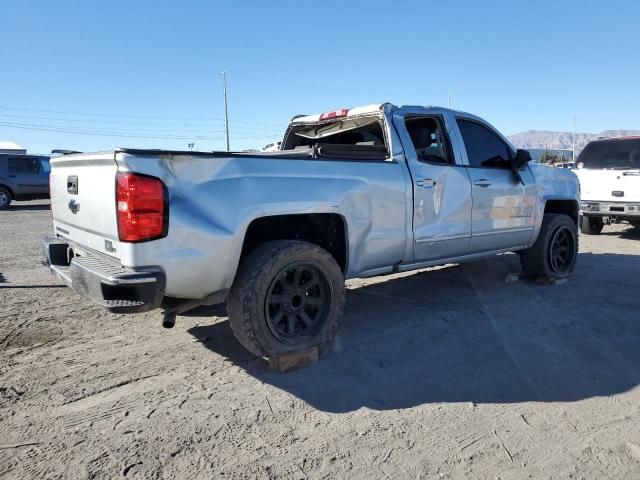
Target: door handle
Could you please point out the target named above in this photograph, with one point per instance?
(483, 182)
(426, 183)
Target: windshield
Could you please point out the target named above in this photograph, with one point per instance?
(611, 154)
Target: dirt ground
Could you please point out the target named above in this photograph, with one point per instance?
(446, 373)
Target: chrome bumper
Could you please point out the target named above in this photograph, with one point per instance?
(610, 209)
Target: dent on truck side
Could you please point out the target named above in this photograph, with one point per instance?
(214, 200)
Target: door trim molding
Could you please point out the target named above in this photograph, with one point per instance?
(504, 230)
(441, 239)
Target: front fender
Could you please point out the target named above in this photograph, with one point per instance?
(553, 184)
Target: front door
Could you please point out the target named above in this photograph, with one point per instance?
(503, 214)
(441, 189)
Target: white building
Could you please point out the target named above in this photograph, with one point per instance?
(11, 147)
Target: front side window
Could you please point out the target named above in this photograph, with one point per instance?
(23, 165)
(484, 148)
(428, 138)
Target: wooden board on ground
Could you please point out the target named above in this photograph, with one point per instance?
(289, 362)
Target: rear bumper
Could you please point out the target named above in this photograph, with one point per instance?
(610, 209)
(104, 281)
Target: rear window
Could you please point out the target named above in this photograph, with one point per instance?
(46, 165)
(611, 154)
(350, 138)
(428, 138)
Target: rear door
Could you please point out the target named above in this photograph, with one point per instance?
(27, 174)
(441, 188)
(503, 213)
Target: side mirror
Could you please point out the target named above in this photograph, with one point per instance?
(521, 159)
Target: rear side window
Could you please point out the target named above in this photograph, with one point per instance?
(484, 148)
(428, 138)
(23, 165)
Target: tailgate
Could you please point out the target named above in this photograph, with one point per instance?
(83, 200)
(610, 185)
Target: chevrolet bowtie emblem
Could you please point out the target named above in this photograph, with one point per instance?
(74, 206)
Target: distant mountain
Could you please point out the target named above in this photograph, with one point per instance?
(545, 139)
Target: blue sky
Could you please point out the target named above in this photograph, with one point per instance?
(147, 73)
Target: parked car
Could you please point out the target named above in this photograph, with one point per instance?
(609, 174)
(23, 177)
(351, 193)
(271, 147)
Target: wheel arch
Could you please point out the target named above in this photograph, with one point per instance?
(327, 230)
(4, 185)
(569, 207)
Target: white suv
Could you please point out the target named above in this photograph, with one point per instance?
(609, 173)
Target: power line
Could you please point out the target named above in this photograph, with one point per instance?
(125, 126)
(103, 133)
(206, 125)
(119, 115)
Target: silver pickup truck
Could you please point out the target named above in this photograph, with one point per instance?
(351, 193)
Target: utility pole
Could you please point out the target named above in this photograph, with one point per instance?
(449, 99)
(573, 149)
(226, 115)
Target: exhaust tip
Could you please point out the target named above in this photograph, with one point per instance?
(169, 320)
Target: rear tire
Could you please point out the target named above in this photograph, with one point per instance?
(287, 296)
(555, 251)
(591, 225)
(5, 198)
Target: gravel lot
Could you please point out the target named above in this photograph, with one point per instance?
(436, 374)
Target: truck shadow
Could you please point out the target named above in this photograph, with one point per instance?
(462, 334)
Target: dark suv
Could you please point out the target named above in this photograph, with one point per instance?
(23, 177)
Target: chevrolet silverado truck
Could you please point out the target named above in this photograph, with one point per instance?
(609, 174)
(351, 193)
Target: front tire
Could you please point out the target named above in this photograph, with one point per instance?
(555, 251)
(591, 225)
(5, 198)
(287, 296)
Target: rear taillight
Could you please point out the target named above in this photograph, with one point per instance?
(141, 202)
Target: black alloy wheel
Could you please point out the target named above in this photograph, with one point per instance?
(297, 302)
(562, 250)
(288, 295)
